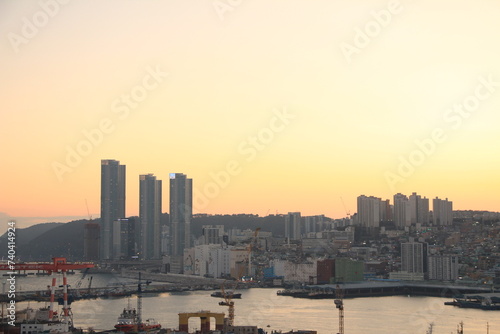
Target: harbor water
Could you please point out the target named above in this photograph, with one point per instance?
(265, 309)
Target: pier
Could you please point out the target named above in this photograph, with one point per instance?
(379, 289)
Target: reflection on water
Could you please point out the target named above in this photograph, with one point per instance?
(262, 307)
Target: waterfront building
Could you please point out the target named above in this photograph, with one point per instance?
(443, 267)
(414, 257)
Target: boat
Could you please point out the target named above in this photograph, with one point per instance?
(479, 301)
(230, 294)
(37, 321)
(130, 320)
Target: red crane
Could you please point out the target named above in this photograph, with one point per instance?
(58, 265)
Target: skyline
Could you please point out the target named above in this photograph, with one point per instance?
(293, 106)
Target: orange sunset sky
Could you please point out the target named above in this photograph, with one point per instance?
(291, 105)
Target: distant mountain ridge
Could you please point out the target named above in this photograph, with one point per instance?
(26, 235)
(43, 241)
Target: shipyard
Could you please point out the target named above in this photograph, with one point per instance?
(133, 293)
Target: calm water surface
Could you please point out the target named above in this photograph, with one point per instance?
(262, 307)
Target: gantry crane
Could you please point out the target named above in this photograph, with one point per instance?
(58, 265)
(339, 303)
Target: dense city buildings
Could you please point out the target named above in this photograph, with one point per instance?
(313, 224)
(150, 209)
(413, 257)
(293, 226)
(212, 234)
(419, 209)
(442, 211)
(404, 240)
(401, 211)
(112, 204)
(126, 233)
(369, 209)
(443, 267)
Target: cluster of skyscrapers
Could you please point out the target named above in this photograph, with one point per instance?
(143, 237)
(406, 211)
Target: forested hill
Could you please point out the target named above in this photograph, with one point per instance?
(41, 242)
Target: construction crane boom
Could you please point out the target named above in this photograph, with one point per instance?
(347, 212)
(339, 303)
(228, 297)
(228, 301)
(88, 212)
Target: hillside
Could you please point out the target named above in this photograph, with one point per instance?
(24, 236)
(43, 241)
(64, 240)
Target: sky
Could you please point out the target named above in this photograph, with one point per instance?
(270, 106)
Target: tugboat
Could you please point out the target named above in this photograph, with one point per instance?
(130, 320)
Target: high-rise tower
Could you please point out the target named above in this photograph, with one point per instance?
(181, 211)
(442, 211)
(112, 203)
(150, 214)
(401, 211)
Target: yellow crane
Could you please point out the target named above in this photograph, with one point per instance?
(228, 301)
(339, 303)
(228, 298)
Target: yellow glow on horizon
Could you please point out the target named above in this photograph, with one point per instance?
(219, 83)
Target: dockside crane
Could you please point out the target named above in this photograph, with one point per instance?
(339, 303)
(228, 301)
(139, 300)
(228, 298)
(460, 328)
(58, 265)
